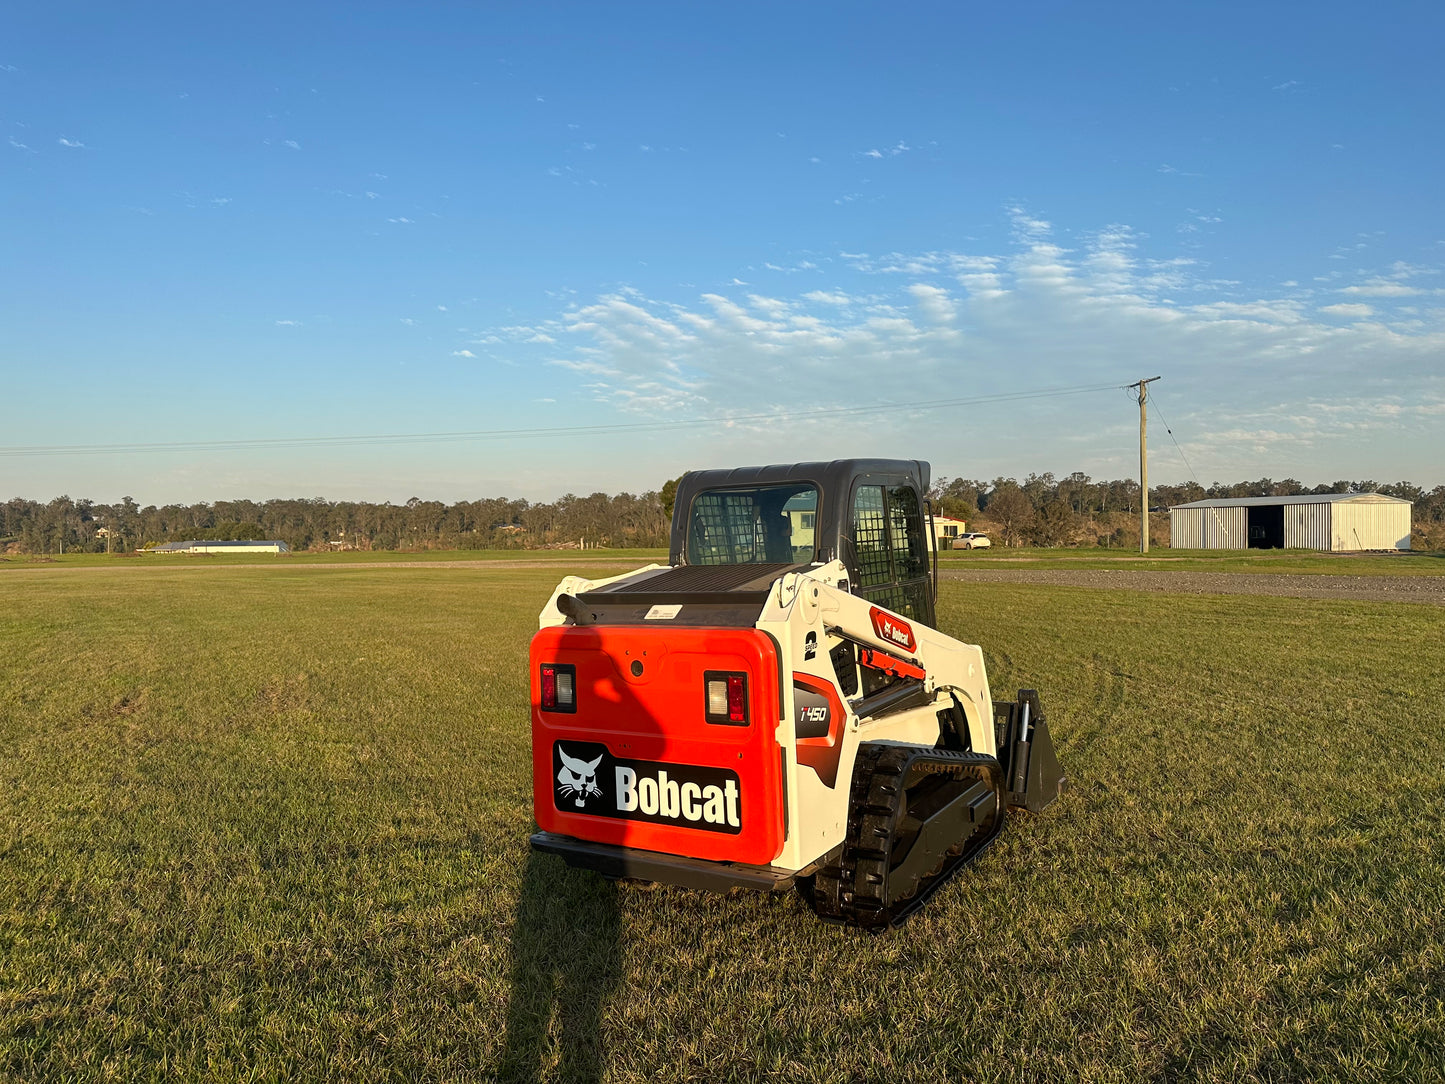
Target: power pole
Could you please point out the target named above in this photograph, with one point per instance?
(1143, 386)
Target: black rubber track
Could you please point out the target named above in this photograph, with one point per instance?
(877, 882)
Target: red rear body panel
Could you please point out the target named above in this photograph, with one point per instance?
(638, 764)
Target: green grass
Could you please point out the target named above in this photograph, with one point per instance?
(1294, 562)
(266, 826)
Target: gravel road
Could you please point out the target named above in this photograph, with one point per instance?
(1428, 589)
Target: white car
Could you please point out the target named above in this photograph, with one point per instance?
(971, 542)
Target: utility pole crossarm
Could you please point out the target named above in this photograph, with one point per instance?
(1143, 386)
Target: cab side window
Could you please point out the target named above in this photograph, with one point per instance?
(890, 549)
(910, 555)
(870, 537)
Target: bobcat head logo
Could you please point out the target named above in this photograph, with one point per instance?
(578, 778)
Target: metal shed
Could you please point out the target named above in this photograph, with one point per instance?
(1338, 522)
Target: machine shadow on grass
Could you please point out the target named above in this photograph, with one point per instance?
(566, 964)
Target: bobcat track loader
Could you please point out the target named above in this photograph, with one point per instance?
(776, 707)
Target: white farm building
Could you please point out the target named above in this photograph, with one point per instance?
(265, 546)
(1338, 522)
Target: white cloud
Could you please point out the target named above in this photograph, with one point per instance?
(1033, 315)
(292, 144)
(69, 142)
(463, 354)
(401, 221)
(288, 323)
(1026, 227)
(1379, 287)
(875, 153)
(1402, 270)
(934, 302)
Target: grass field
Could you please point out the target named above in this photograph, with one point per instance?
(263, 823)
(1165, 560)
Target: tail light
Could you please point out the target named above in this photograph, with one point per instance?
(559, 687)
(727, 697)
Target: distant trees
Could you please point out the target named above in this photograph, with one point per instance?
(314, 523)
(669, 496)
(1010, 507)
(1040, 510)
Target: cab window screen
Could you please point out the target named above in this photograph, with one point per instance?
(889, 547)
(870, 537)
(910, 555)
(763, 525)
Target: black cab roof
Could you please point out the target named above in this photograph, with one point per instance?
(835, 481)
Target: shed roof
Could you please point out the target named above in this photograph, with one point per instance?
(1304, 498)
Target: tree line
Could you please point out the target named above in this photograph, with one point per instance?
(314, 523)
(1043, 510)
(1039, 510)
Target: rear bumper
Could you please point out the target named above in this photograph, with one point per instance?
(611, 860)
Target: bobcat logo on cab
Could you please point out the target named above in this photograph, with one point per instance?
(578, 778)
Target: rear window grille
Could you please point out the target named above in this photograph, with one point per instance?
(763, 525)
(725, 531)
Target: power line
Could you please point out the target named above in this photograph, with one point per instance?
(1223, 530)
(1177, 446)
(254, 444)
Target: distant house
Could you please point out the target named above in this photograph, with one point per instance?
(800, 523)
(273, 546)
(946, 529)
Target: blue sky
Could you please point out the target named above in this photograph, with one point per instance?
(283, 222)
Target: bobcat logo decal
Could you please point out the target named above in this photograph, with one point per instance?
(578, 778)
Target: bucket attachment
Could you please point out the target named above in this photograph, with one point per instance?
(1026, 752)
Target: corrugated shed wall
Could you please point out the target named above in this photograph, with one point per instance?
(1184, 532)
(1307, 526)
(1370, 524)
(1207, 529)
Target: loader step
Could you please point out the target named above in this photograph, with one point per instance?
(917, 815)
